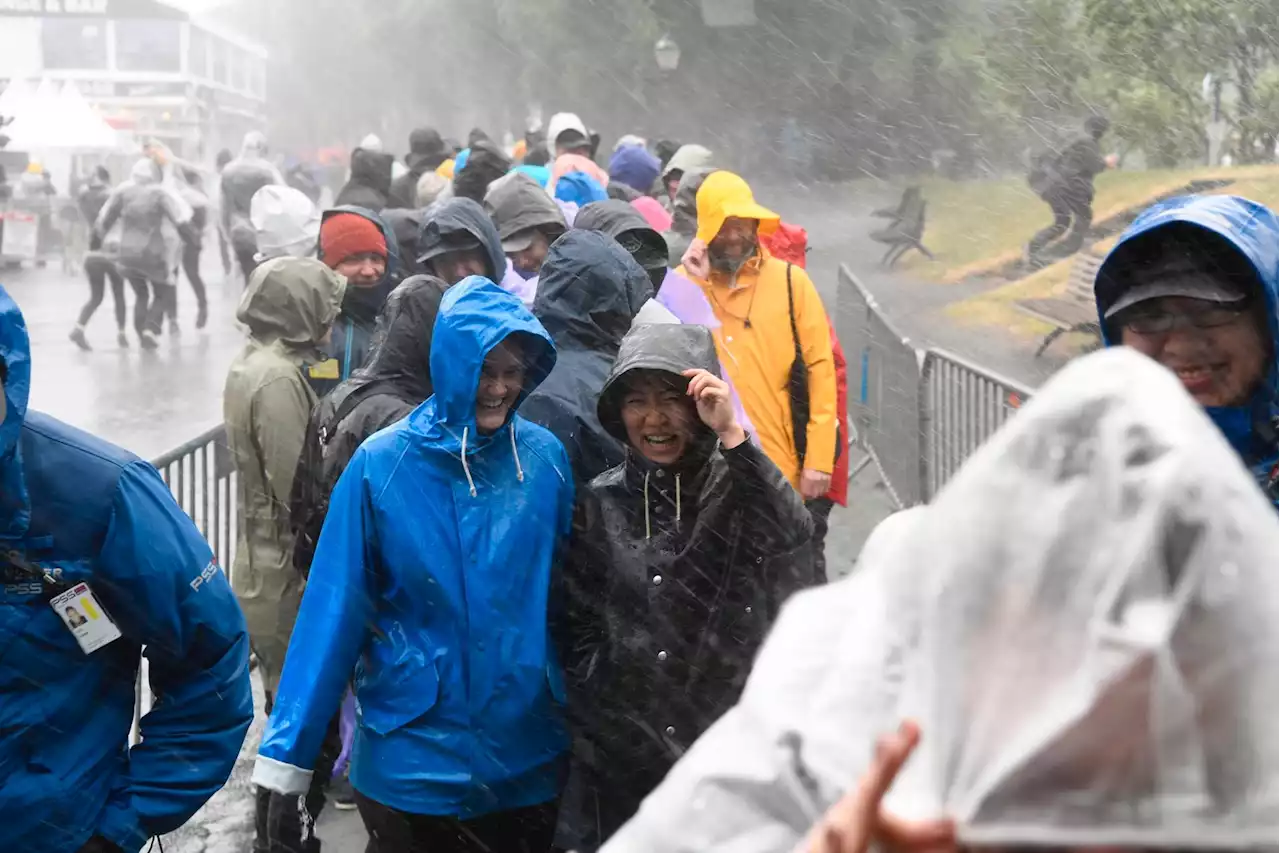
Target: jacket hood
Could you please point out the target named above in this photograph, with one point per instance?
(684, 209)
(475, 316)
(687, 158)
(254, 145)
(1112, 678)
(285, 221)
(589, 291)
(15, 371)
(516, 202)
(1250, 228)
(580, 188)
(634, 166)
(401, 348)
(426, 149)
(393, 249)
(724, 194)
(670, 348)
(616, 218)
(292, 300)
(405, 223)
(372, 169)
(455, 218)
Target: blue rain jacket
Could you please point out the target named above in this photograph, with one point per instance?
(1252, 229)
(85, 510)
(430, 584)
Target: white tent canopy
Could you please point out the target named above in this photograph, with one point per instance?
(52, 119)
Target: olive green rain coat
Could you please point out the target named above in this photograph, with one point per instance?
(288, 307)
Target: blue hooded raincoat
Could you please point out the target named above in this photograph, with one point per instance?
(430, 589)
(84, 510)
(1252, 229)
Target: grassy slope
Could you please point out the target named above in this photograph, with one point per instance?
(997, 307)
(977, 225)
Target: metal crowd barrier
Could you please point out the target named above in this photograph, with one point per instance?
(202, 479)
(918, 413)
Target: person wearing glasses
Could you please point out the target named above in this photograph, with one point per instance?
(1192, 285)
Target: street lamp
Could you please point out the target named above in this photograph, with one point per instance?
(667, 53)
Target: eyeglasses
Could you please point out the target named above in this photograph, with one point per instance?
(1163, 322)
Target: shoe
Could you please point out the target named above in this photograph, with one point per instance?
(202, 315)
(341, 794)
(78, 338)
(122, 339)
(147, 341)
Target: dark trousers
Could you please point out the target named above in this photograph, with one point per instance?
(247, 263)
(526, 830)
(1070, 210)
(280, 824)
(820, 511)
(141, 302)
(191, 266)
(99, 271)
(164, 302)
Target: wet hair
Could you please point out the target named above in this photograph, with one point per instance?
(102, 174)
(224, 157)
(537, 155)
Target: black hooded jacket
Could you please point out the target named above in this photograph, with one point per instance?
(458, 219)
(405, 223)
(673, 579)
(395, 381)
(426, 153)
(589, 291)
(370, 184)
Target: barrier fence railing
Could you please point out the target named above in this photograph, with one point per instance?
(202, 479)
(918, 412)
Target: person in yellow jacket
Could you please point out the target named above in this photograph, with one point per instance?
(747, 289)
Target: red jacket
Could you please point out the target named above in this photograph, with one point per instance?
(790, 243)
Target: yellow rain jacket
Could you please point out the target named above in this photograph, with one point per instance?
(754, 340)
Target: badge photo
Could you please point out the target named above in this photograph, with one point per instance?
(85, 618)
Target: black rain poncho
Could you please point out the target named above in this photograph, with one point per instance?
(589, 291)
(395, 381)
(673, 579)
(1083, 623)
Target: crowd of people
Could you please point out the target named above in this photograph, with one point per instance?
(535, 460)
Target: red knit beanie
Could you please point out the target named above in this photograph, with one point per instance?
(345, 234)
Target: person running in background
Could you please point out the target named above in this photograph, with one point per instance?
(145, 210)
(224, 248)
(100, 266)
(1065, 182)
(241, 178)
(192, 190)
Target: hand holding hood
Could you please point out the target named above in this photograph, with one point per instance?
(291, 300)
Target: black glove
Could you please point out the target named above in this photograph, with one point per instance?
(98, 844)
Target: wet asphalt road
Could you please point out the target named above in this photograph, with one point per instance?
(150, 402)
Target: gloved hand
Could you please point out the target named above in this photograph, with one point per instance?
(98, 844)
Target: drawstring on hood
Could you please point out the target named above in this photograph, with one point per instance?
(475, 316)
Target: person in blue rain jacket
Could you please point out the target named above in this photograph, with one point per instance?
(74, 509)
(369, 257)
(1192, 284)
(431, 582)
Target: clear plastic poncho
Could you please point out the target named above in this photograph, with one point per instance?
(1084, 623)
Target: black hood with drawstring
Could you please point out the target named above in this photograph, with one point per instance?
(396, 379)
(673, 578)
(589, 291)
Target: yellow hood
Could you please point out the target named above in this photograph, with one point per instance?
(724, 194)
